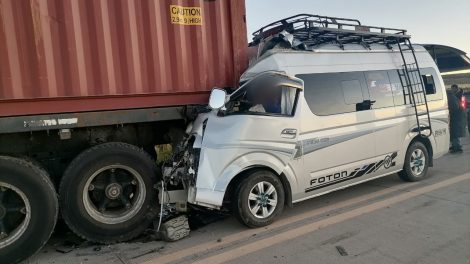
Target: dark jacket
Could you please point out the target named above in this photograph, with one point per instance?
(458, 116)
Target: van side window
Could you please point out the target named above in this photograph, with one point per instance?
(324, 94)
(335, 93)
(397, 88)
(352, 92)
(380, 89)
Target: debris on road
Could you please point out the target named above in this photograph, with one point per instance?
(155, 250)
(174, 229)
(64, 249)
(341, 251)
(123, 261)
(70, 243)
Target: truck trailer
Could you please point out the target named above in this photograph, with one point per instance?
(87, 90)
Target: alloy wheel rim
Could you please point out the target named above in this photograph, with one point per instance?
(262, 200)
(114, 194)
(417, 162)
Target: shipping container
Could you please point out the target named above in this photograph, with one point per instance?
(59, 56)
(89, 90)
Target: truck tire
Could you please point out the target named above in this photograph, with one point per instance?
(416, 163)
(28, 209)
(107, 193)
(259, 198)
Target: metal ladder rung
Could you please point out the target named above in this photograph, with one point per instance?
(413, 86)
(410, 71)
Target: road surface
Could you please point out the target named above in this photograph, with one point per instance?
(382, 221)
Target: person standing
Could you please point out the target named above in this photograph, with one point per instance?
(457, 119)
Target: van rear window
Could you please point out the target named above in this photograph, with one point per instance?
(431, 84)
(428, 82)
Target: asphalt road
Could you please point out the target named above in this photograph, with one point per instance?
(382, 221)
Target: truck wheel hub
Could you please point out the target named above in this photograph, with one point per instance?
(113, 191)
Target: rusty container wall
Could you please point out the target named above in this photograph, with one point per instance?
(61, 56)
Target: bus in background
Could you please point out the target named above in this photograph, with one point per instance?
(454, 65)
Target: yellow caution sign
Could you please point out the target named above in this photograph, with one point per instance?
(185, 15)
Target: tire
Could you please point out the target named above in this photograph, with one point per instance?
(419, 171)
(107, 194)
(28, 192)
(243, 206)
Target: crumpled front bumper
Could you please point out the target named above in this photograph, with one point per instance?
(205, 197)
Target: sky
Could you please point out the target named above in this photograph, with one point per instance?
(445, 22)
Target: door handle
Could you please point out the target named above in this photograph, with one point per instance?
(289, 133)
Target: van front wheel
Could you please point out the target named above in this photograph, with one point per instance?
(416, 163)
(259, 199)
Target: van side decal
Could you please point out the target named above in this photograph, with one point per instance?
(342, 176)
(313, 144)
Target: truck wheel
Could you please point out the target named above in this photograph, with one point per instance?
(28, 209)
(259, 199)
(107, 194)
(416, 163)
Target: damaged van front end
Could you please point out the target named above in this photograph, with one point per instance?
(227, 138)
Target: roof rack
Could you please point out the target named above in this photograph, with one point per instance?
(315, 30)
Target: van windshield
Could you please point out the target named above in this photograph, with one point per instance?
(263, 99)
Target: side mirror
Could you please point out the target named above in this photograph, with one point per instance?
(217, 98)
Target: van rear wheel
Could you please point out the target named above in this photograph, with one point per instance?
(416, 163)
(259, 199)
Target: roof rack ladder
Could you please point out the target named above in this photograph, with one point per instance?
(411, 79)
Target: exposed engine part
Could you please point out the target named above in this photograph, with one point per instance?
(182, 168)
(179, 174)
(173, 197)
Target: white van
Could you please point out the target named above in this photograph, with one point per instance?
(308, 121)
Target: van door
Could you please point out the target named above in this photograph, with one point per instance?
(337, 132)
(387, 120)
